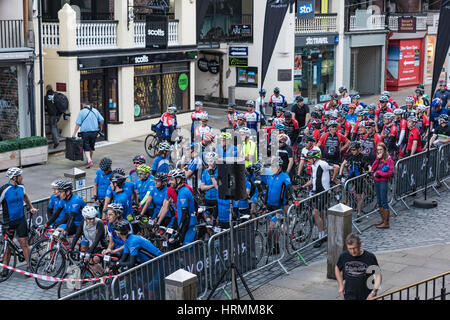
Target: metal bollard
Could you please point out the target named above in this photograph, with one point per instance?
(181, 285)
(78, 179)
(339, 227)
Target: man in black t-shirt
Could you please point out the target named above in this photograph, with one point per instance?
(286, 154)
(355, 266)
(301, 111)
(53, 114)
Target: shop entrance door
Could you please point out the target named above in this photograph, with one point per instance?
(99, 87)
(311, 77)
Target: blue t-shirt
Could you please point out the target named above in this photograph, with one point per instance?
(102, 181)
(231, 151)
(53, 202)
(134, 243)
(133, 176)
(213, 193)
(158, 197)
(123, 199)
(435, 115)
(161, 164)
(185, 199)
(11, 198)
(75, 204)
(89, 119)
(143, 186)
(275, 185)
(128, 188)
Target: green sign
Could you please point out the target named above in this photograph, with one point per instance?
(238, 61)
(183, 81)
(137, 110)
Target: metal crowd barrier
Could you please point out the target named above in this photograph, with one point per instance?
(359, 194)
(259, 243)
(146, 281)
(98, 291)
(444, 164)
(301, 217)
(409, 174)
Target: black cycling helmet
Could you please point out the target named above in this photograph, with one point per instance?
(160, 176)
(65, 185)
(334, 96)
(232, 105)
(299, 98)
(287, 114)
(421, 86)
(315, 114)
(119, 171)
(370, 123)
(308, 138)
(105, 164)
(140, 159)
(276, 90)
(355, 145)
(342, 89)
(443, 117)
(122, 227)
(118, 178)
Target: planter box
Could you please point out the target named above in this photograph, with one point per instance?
(9, 159)
(33, 155)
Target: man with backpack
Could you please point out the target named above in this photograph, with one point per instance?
(56, 104)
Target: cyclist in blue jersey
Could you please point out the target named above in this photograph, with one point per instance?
(143, 187)
(277, 100)
(223, 216)
(156, 198)
(115, 244)
(12, 196)
(137, 161)
(209, 185)
(120, 196)
(162, 161)
(194, 167)
(252, 117)
(73, 205)
(253, 174)
(186, 217)
(226, 148)
(101, 181)
(53, 202)
(128, 187)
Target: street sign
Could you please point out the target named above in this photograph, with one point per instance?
(238, 51)
(238, 61)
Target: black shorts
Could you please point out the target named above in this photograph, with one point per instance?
(89, 140)
(320, 202)
(21, 227)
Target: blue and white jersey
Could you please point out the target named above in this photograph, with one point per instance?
(11, 198)
(252, 119)
(161, 164)
(134, 243)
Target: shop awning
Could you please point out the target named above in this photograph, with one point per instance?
(403, 36)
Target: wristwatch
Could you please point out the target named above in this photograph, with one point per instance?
(374, 293)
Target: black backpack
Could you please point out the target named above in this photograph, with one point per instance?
(61, 102)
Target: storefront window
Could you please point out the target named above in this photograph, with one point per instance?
(247, 77)
(9, 103)
(431, 45)
(314, 73)
(158, 86)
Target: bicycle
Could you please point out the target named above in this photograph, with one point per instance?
(41, 245)
(301, 226)
(154, 139)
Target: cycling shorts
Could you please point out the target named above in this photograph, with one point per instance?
(21, 227)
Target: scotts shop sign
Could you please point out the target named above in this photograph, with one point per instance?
(140, 59)
(156, 31)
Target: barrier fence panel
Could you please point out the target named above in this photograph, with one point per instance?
(409, 174)
(444, 164)
(307, 216)
(98, 291)
(146, 281)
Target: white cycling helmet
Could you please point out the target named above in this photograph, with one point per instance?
(203, 116)
(245, 130)
(89, 212)
(211, 156)
(13, 172)
(422, 108)
(164, 146)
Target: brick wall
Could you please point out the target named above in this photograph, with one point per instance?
(9, 103)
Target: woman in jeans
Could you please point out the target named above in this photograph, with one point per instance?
(382, 169)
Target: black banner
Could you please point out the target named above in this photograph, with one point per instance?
(156, 31)
(275, 13)
(442, 43)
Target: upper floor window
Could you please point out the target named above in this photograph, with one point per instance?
(89, 9)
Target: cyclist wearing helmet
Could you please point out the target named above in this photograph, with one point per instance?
(361, 116)
(248, 147)
(120, 196)
(162, 161)
(203, 128)
(423, 122)
(389, 134)
(414, 139)
(169, 122)
(279, 187)
(442, 93)
(54, 201)
(419, 97)
(12, 196)
(195, 166)
(209, 183)
(226, 148)
(436, 110)
(351, 116)
(402, 128)
(332, 143)
(309, 142)
(252, 117)
(232, 115)
(360, 131)
(356, 101)
(279, 115)
(370, 141)
(186, 217)
(332, 104)
(409, 104)
(137, 161)
(128, 187)
(144, 185)
(260, 105)
(240, 122)
(157, 196)
(371, 110)
(196, 116)
(320, 181)
(291, 128)
(379, 114)
(73, 205)
(101, 181)
(345, 97)
(115, 244)
(394, 104)
(301, 111)
(441, 135)
(344, 126)
(285, 153)
(277, 100)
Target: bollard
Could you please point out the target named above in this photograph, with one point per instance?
(78, 180)
(339, 227)
(181, 285)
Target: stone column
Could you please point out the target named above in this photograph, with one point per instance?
(181, 285)
(125, 31)
(339, 227)
(185, 13)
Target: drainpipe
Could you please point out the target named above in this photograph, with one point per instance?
(41, 81)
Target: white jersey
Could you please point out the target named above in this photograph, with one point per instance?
(260, 106)
(320, 175)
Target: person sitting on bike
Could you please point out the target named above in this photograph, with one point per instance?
(320, 181)
(382, 110)
(73, 205)
(226, 148)
(441, 134)
(194, 167)
(344, 126)
(357, 165)
(393, 103)
(239, 123)
(137, 161)
(331, 105)
(101, 181)
(361, 116)
(361, 131)
(121, 196)
(12, 197)
(156, 198)
(423, 122)
(332, 143)
(308, 142)
(351, 115)
(115, 244)
(54, 201)
(162, 161)
(143, 188)
(370, 141)
(402, 129)
(186, 216)
(389, 134)
(128, 187)
(286, 154)
(169, 122)
(196, 116)
(209, 185)
(279, 114)
(414, 141)
(248, 147)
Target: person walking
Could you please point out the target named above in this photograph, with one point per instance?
(382, 169)
(53, 114)
(355, 266)
(91, 123)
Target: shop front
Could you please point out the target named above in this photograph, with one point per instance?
(314, 67)
(405, 60)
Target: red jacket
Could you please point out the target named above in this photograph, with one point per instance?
(378, 165)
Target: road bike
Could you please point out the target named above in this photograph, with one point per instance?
(153, 140)
(16, 254)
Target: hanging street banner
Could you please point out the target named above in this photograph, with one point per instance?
(305, 9)
(442, 42)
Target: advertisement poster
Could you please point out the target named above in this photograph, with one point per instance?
(298, 65)
(409, 63)
(242, 75)
(251, 77)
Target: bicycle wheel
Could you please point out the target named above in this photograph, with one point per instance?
(5, 275)
(66, 288)
(301, 232)
(37, 251)
(151, 145)
(53, 264)
(33, 236)
(259, 246)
